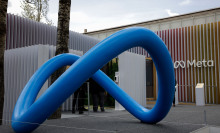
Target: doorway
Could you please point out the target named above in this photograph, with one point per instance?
(149, 79)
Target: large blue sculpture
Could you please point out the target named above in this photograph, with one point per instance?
(28, 113)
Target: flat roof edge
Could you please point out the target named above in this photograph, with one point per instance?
(155, 20)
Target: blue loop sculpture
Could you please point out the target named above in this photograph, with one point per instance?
(28, 113)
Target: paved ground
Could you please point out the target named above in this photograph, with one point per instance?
(181, 119)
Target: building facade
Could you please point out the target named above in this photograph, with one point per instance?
(23, 32)
(28, 45)
(193, 41)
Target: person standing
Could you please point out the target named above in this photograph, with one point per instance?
(98, 96)
(79, 95)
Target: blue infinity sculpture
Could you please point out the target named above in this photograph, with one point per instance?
(29, 114)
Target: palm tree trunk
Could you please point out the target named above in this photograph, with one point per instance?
(62, 41)
(3, 14)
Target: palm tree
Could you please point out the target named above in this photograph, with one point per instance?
(3, 15)
(62, 41)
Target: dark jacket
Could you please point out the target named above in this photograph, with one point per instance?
(94, 87)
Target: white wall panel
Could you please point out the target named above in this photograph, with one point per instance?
(132, 77)
(154, 27)
(20, 64)
(187, 22)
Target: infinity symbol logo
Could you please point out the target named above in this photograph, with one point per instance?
(28, 113)
(181, 64)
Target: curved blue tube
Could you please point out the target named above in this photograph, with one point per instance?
(28, 113)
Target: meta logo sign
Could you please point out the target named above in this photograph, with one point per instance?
(194, 63)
